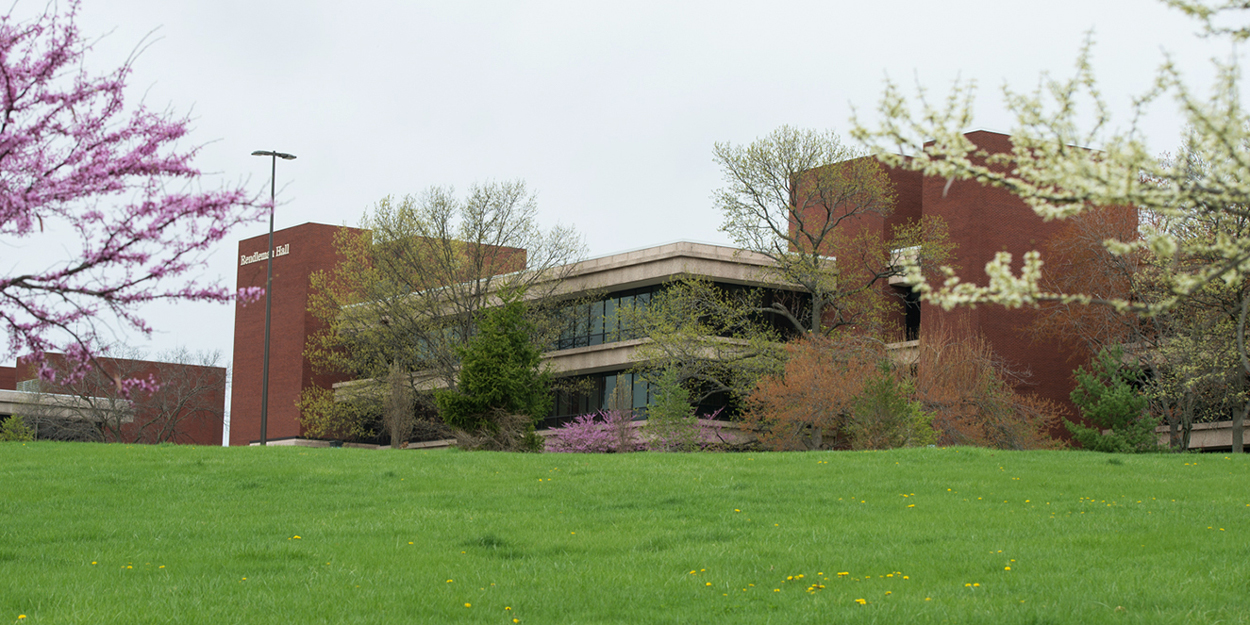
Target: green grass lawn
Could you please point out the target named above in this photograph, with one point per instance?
(133, 534)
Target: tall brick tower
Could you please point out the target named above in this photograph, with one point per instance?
(298, 252)
(982, 221)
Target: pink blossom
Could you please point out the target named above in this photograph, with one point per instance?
(71, 154)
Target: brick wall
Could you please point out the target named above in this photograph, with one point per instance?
(199, 419)
(308, 248)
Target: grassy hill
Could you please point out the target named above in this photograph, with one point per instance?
(134, 534)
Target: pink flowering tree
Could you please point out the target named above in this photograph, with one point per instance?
(74, 159)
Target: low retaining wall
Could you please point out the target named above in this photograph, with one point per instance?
(1215, 436)
(312, 442)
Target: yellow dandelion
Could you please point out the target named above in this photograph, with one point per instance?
(906, 577)
(448, 581)
(889, 592)
(507, 608)
(861, 601)
(708, 584)
(1006, 568)
(976, 585)
(468, 605)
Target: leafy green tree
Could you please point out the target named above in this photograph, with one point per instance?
(885, 416)
(500, 373)
(796, 197)
(397, 407)
(1106, 396)
(671, 420)
(15, 429)
(412, 285)
(714, 341)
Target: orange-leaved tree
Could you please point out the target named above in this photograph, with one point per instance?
(837, 392)
(971, 393)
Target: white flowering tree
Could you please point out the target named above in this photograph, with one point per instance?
(1057, 179)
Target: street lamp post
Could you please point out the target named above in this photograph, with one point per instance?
(264, 383)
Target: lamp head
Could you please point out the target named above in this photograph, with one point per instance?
(282, 155)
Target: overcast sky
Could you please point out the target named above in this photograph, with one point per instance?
(608, 110)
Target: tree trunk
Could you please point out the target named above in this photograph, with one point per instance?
(1239, 429)
(817, 306)
(1174, 429)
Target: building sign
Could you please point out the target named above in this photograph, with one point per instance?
(281, 250)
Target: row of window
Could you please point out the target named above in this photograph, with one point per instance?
(608, 320)
(605, 320)
(592, 393)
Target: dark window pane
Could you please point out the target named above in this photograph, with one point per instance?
(609, 387)
(610, 321)
(640, 392)
(596, 318)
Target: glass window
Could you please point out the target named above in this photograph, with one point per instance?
(609, 387)
(609, 321)
(596, 323)
(640, 392)
(626, 328)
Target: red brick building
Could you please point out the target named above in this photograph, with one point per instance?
(187, 407)
(983, 221)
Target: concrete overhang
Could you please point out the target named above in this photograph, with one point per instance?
(52, 405)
